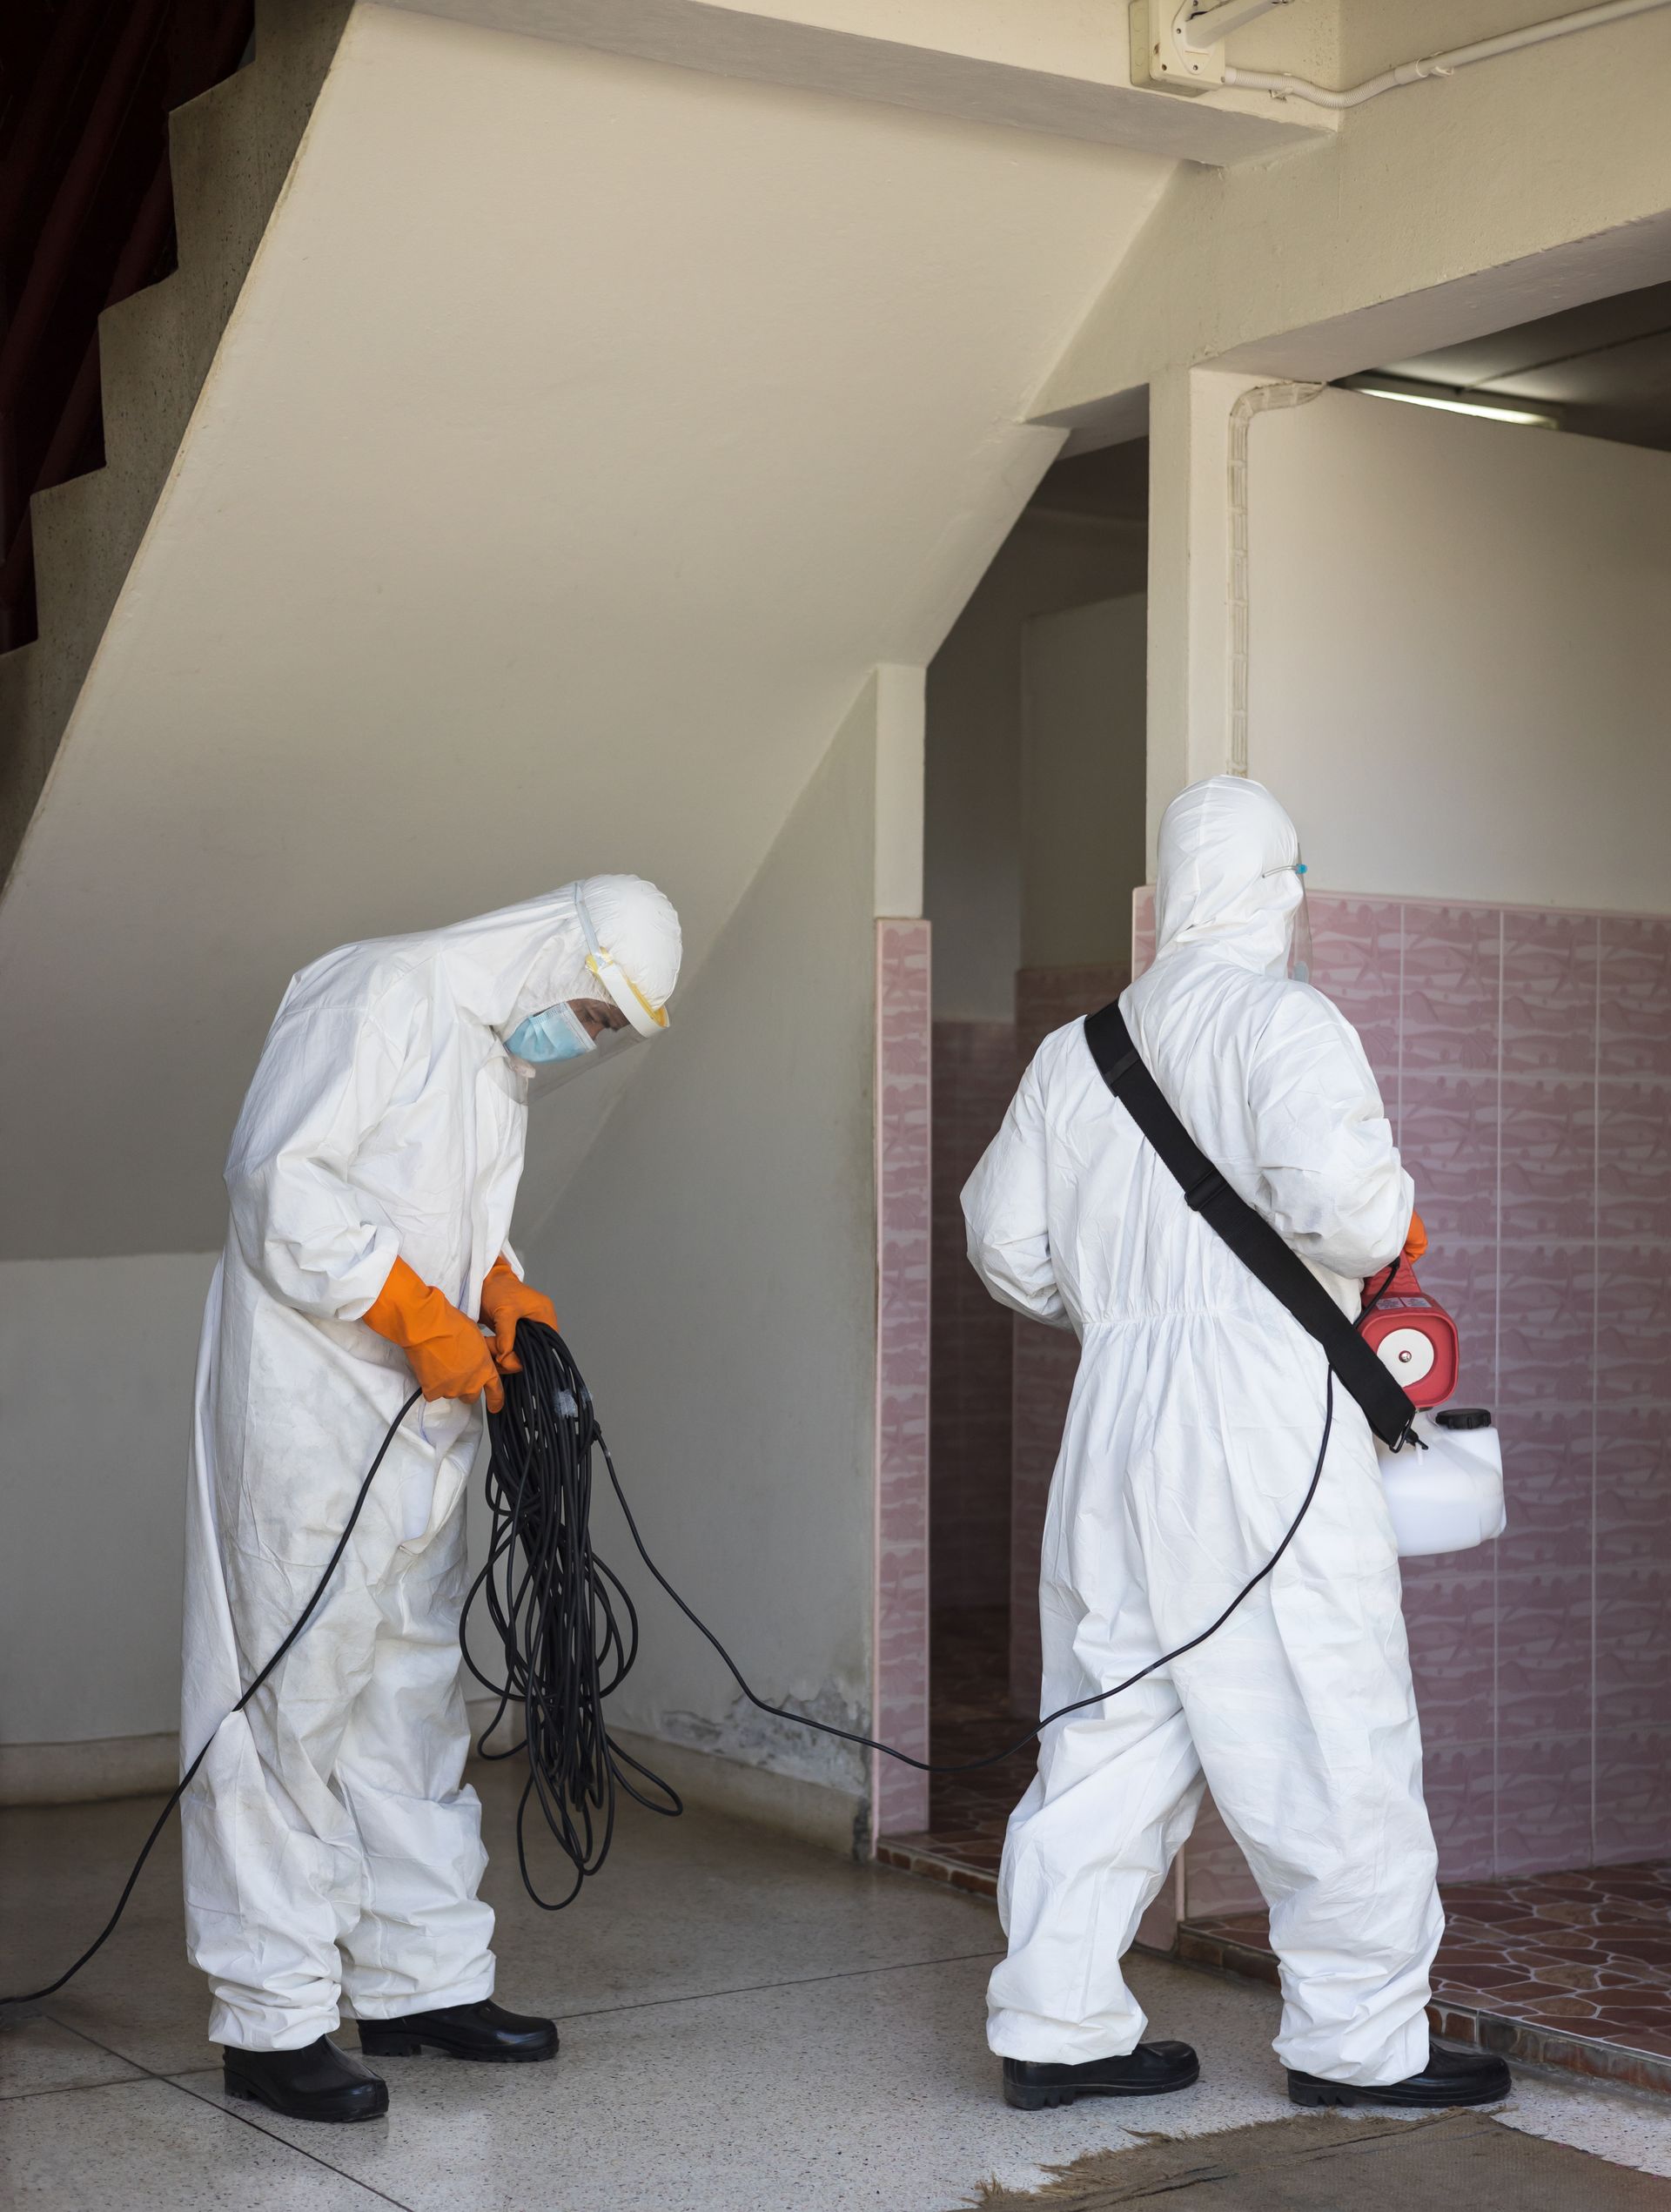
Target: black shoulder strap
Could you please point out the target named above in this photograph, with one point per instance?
(1249, 1235)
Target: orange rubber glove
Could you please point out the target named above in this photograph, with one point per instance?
(449, 1355)
(1416, 1243)
(505, 1299)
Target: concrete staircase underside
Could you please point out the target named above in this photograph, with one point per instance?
(581, 434)
(230, 152)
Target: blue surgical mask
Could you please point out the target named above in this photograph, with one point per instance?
(557, 1034)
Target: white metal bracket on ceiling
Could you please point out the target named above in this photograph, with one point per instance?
(1178, 45)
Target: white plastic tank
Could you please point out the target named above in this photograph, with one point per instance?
(1450, 1496)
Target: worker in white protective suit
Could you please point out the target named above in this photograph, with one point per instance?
(330, 1845)
(1191, 1439)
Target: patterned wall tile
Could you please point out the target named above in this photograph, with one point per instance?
(1547, 1173)
(1634, 1030)
(1634, 1159)
(900, 1797)
(1450, 990)
(1358, 945)
(1632, 1666)
(1545, 1616)
(1544, 1802)
(1449, 1609)
(1447, 1127)
(1459, 1784)
(1549, 992)
(1548, 1484)
(1633, 1326)
(1633, 1493)
(1546, 1325)
(1632, 1793)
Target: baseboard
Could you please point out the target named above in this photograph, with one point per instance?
(812, 1811)
(707, 1783)
(108, 1766)
(138, 1766)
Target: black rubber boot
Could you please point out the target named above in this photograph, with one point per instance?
(1449, 2078)
(317, 2082)
(1152, 2070)
(484, 2032)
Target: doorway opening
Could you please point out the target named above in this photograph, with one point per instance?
(1511, 989)
(1034, 847)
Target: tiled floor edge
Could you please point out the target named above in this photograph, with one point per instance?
(1535, 2045)
(906, 1856)
(1532, 2043)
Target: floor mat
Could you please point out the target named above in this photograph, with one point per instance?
(1330, 2163)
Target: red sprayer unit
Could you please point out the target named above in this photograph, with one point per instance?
(1445, 1492)
(1413, 1335)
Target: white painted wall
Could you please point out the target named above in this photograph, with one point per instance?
(972, 890)
(1082, 753)
(715, 1264)
(96, 1358)
(1460, 656)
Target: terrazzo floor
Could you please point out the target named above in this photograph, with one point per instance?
(1570, 1969)
(750, 2024)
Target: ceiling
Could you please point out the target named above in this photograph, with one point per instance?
(1605, 366)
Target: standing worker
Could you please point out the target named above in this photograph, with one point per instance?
(330, 1845)
(1194, 1428)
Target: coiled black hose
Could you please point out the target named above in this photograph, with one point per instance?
(567, 1630)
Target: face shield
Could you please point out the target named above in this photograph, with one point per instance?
(610, 1013)
(1299, 923)
(571, 1037)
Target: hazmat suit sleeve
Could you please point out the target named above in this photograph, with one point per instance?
(1005, 1208)
(1331, 1178)
(312, 1238)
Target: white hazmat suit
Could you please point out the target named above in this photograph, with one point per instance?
(330, 1845)
(1189, 1442)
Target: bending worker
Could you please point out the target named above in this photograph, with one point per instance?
(331, 1847)
(1193, 1431)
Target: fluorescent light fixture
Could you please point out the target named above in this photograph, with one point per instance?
(1450, 401)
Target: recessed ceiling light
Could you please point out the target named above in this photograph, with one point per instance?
(1451, 401)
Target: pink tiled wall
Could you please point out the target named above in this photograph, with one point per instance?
(974, 1080)
(900, 1795)
(1524, 1059)
(1045, 1359)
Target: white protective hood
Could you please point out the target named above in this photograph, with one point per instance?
(1227, 874)
(507, 965)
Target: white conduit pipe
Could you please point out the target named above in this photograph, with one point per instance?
(1262, 397)
(1483, 49)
